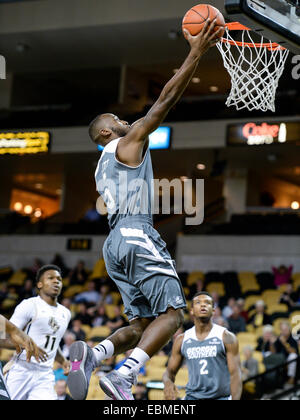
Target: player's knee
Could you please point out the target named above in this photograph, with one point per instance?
(136, 331)
(180, 317)
(176, 317)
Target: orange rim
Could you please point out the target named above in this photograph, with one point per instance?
(236, 26)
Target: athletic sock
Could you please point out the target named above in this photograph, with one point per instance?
(134, 363)
(103, 350)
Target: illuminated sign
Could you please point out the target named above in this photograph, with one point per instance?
(254, 134)
(75, 244)
(24, 143)
(159, 139)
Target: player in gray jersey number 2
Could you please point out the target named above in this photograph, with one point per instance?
(211, 354)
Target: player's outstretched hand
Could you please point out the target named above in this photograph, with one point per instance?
(23, 341)
(170, 391)
(206, 38)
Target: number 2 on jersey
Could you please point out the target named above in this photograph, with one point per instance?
(47, 342)
(203, 364)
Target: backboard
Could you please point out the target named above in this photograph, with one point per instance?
(276, 20)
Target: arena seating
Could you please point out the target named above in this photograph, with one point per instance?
(250, 286)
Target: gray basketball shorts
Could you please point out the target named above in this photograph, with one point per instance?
(138, 261)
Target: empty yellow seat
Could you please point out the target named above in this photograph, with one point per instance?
(246, 276)
(17, 279)
(296, 283)
(99, 270)
(155, 373)
(182, 377)
(86, 329)
(249, 285)
(73, 290)
(110, 310)
(158, 361)
(99, 332)
(116, 297)
(8, 304)
(216, 287)
(278, 307)
(156, 394)
(194, 276)
(251, 300)
(271, 296)
(246, 338)
(6, 355)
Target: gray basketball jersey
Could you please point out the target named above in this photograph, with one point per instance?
(207, 365)
(125, 190)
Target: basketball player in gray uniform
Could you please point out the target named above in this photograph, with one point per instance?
(136, 257)
(17, 339)
(211, 354)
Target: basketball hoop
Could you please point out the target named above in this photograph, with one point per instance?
(254, 67)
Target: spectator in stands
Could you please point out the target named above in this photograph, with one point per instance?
(61, 390)
(249, 365)
(221, 321)
(105, 296)
(236, 322)
(289, 297)
(260, 317)
(241, 303)
(118, 321)
(286, 345)
(99, 316)
(67, 303)
(37, 264)
(218, 301)
(27, 291)
(265, 344)
(69, 339)
(141, 392)
(228, 310)
(217, 314)
(282, 275)
(83, 314)
(78, 275)
(59, 261)
(195, 288)
(90, 296)
(77, 331)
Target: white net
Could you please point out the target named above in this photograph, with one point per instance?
(254, 68)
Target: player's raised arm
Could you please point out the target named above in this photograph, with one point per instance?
(174, 364)
(19, 340)
(172, 91)
(234, 366)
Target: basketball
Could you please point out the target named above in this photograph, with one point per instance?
(195, 18)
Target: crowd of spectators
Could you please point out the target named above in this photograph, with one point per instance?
(88, 308)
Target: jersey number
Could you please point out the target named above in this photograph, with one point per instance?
(203, 364)
(48, 341)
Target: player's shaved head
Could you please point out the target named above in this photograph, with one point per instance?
(98, 123)
(107, 127)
